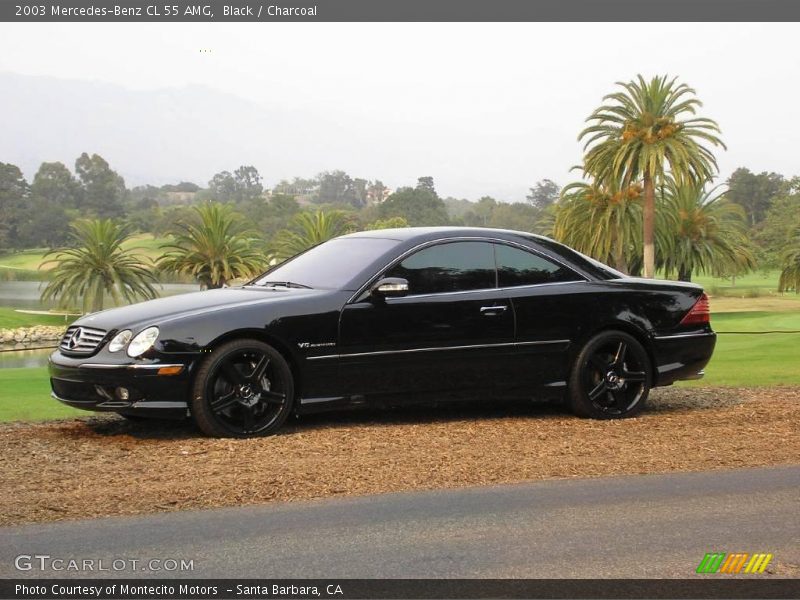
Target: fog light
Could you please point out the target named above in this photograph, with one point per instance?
(122, 393)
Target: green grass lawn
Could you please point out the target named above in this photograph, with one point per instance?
(759, 284)
(145, 243)
(26, 397)
(762, 280)
(9, 319)
(739, 361)
(755, 321)
(30, 260)
(26, 259)
(754, 360)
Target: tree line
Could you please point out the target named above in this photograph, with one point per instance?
(38, 214)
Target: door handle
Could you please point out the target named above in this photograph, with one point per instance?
(493, 310)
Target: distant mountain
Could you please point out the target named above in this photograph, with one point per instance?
(190, 133)
(160, 136)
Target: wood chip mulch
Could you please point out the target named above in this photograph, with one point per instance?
(104, 465)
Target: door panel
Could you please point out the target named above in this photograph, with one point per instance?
(435, 343)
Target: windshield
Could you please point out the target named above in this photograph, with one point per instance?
(331, 265)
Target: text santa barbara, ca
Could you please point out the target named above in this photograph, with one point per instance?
(170, 590)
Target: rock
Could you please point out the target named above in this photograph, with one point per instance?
(37, 335)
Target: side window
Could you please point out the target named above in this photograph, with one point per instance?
(517, 267)
(448, 267)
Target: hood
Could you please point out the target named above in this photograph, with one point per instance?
(161, 310)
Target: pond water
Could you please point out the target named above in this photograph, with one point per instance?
(25, 295)
(24, 358)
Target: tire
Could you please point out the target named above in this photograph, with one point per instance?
(244, 389)
(610, 378)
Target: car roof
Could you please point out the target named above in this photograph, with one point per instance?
(424, 233)
(411, 236)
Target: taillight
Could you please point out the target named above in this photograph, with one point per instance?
(700, 314)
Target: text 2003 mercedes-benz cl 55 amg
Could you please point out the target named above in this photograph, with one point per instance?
(387, 317)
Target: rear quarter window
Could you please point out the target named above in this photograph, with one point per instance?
(517, 267)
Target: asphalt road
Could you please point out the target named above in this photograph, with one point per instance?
(632, 526)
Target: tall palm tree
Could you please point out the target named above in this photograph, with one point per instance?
(790, 275)
(96, 265)
(701, 231)
(214, 247)
(602, 221)
(643, 133)
(309, 229)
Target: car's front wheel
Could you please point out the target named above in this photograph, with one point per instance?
(245, 388)
(610, 378)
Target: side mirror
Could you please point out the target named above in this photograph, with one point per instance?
(390, 287)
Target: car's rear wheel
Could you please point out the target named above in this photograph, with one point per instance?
(245, 388)
(610, 378)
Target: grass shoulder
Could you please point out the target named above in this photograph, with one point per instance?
(10, 318)
(26, 397)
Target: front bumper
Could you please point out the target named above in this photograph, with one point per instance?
(152, 388)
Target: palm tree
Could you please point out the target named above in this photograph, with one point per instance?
(602, 221)
(790, 275)
(309, 229)
(702, 231)
(546, 221)
(642, 133)
(214, 247)
(96, 265)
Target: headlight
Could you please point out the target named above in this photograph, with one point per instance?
(119, 341)
(142, 342)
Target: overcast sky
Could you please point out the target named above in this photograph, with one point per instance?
(484, 108)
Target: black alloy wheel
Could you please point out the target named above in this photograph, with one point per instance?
(611, 377)
(244, 389)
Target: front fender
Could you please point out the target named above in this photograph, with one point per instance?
(298, 330)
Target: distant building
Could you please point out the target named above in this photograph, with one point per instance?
(173, 198)
(378, 195)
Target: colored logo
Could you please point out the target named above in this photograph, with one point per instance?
(732, 564)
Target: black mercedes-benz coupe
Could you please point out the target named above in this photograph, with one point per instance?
(389, 317)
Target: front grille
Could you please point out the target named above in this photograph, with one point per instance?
(81, 340)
